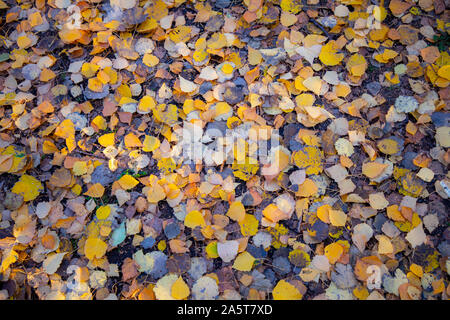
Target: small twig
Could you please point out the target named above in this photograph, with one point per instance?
(319, 26)
(92, 155)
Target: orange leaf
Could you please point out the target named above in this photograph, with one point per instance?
(95, 191)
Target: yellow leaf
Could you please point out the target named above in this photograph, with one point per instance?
(342, 90)
(103, 77)
(244, 262)
(146, 105)
(305, 100)
(273, 213)
(328, 54)
(444, 72)
(244, 171)
(70, 35)
(310, 158)
(47, 75)
(416, 269)
(389, 146)
(357, 65)
(227, 68)
(286, 291)
(150, 60)
(34, 18)
(392, 78)
(167, 114)
(126, 100)
(150, 144)
(167, 165)
(236, 211)
(222, 108)
(23, 42)
(65, 129)
(111, 73)
(95, 85)
(180, 34)
(379, 58)
(89, 69)
(323, 213)
(389, 54)
(385, 245)
(194, 219)
(9, 256)
(333, 252)
(46, 107)
(338, 218)
(373, 169)
(127, 182)
(156, 193)
(79, 168)
(147, 25)
(314, 84)
(361, 293)
(95, 191)
(94, 248)
(71, 143)
(99, 122)
(28, 186)
(76, 189)
(106, 140)
(103, 212)
(394, 214)
(292, 6)
(411, 128)
(249, 225)
(307, 189)
(19, 161)
(162, 245)
(132, 141)
(217, 41)
(211, 250)
(200, 55)
(180, 289)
